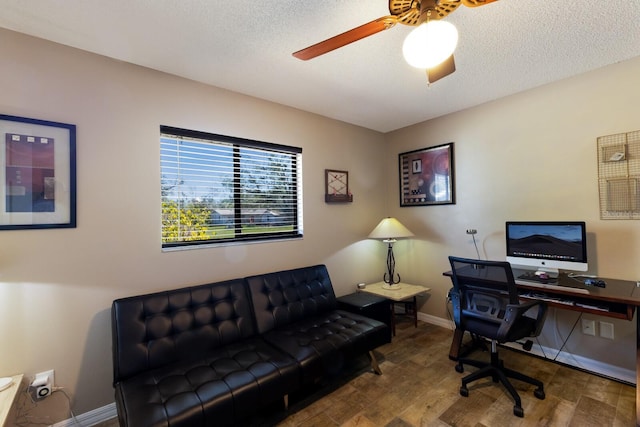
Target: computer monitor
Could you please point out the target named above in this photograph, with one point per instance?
(549, 246)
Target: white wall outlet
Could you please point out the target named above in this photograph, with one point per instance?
(606, 330)
(589, 327)
(42, 385)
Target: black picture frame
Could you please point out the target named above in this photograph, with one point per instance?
(427, 176)
(38, 170)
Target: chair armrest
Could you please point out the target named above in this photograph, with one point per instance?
(515, 311)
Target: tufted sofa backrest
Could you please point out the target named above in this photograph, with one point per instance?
(153, 330)
(287, 296)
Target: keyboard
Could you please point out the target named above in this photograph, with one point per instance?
(548, 298)
(540, 285)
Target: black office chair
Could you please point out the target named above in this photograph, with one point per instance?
(485, 302)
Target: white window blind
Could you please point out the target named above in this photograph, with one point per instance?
(218, 189)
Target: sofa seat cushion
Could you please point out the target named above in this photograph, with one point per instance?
(322, 343)
(215, 390)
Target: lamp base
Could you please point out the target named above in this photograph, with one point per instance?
(389, 287)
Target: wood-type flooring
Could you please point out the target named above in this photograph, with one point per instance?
(420, 387)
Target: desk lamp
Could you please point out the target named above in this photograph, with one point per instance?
(390, 229)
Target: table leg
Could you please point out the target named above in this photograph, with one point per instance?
(393, 317)
(415, 312)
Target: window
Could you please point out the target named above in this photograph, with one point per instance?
(219, 189)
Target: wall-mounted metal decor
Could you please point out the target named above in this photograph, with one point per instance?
(619, 175)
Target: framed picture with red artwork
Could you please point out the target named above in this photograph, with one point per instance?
(426, 176)
(38, 166)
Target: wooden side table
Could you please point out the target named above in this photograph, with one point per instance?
(407, 294)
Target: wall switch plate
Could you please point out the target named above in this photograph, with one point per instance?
(589, 327)
(606, 330)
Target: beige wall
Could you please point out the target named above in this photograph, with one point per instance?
(56, 286)
(527, 156)
(531, 156)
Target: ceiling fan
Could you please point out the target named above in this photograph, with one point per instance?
(406, 12)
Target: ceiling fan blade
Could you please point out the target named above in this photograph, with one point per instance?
(476, 3)
(441, 70)
(355, 34)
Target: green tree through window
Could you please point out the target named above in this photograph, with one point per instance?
(218, 189)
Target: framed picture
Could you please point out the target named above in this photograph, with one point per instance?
(426, 176)
(38, 173)
(336, 184)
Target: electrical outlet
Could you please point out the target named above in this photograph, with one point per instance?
(472, 231)
(606, 330)
(589, 327)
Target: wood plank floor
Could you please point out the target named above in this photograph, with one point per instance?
(420, 387)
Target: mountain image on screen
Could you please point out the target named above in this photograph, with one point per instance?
(539, 245)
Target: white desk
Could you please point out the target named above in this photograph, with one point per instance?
(406, 292)
(7, 396)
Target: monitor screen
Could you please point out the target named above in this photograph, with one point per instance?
(546, 245)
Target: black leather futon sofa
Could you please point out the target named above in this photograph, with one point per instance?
(214, 354)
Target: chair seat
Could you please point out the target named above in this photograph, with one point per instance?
(523, 327)
(210, 390)
(322, 343)
(486, 303)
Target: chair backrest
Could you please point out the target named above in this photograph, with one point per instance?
(154, 330)
(285, 297)
(495, 276)
(482, 289)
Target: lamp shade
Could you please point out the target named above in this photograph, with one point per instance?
(430, 43)
(390, 228)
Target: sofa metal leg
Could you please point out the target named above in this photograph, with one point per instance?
(374, 363)
(286, 402)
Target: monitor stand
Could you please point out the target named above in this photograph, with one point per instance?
(539, 276)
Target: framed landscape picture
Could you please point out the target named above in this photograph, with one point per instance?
(426, 176)
(38, 170)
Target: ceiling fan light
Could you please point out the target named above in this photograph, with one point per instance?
(429, 44)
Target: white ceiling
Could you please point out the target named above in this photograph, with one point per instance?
(245, 46)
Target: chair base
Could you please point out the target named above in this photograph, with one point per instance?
(496, 370)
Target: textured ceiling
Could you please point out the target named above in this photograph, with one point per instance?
(245, 46)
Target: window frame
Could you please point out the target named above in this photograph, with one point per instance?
(237, 144)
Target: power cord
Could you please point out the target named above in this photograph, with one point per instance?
(473, 236)
(568, 336)
(447, 301)
(73, 416)
(25, 405)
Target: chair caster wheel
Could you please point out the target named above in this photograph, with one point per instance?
(518, 411)
(459, 368)
(464, 391)
(539, 394)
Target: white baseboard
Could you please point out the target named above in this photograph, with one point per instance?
(91, 418)
(581, 362)
(438, 321)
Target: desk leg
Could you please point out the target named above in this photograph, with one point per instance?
(638, 367)
(456, 343)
